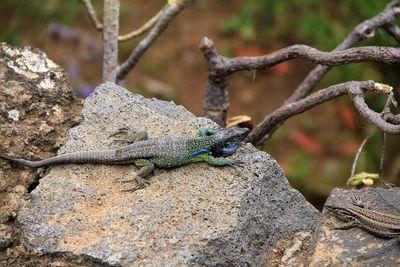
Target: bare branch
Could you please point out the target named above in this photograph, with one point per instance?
(110, 39)
(356, 91)
(145, 27)
(168, 14)
(386, 55)
(361, 31)
(92, 15)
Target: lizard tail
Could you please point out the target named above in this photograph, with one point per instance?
(101, 157)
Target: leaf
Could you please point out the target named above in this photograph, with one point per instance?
(362, 178)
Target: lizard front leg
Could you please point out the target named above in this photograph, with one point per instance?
(218, 162)
(345, 226)
(146, 169)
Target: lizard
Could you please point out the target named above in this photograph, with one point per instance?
(209, 145)
(357, 215)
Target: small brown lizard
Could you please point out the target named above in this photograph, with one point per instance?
(375, 222)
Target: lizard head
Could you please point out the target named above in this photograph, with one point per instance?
(226, 141)
(341, 212)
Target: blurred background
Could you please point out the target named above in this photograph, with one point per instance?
(315, 149)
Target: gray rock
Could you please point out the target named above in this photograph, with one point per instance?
(195, 214)
(37, 107)
(356, 247)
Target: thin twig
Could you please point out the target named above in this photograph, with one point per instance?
(382, 161)
(143, 29)
(168, 14)
(360, 149)
(92, 15)
(385, 111)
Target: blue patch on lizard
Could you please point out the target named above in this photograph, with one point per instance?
(181, 157)
(200, 152)
(229, 150)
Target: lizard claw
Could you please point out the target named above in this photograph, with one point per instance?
(139, 186)
(238, 162)
(141, 183)
(122, 130)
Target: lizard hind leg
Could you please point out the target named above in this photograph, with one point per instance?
(146, 169)
(129, 135)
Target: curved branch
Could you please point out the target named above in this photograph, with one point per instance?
(355, 89)
(375, 118)
(169, 13)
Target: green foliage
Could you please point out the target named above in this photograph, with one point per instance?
(243, 23)
(320, 24)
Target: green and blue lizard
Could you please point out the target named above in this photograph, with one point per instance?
(211, 146)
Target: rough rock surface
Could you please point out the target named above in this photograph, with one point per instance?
(37, 107)
(356, 247)
(195, 214)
